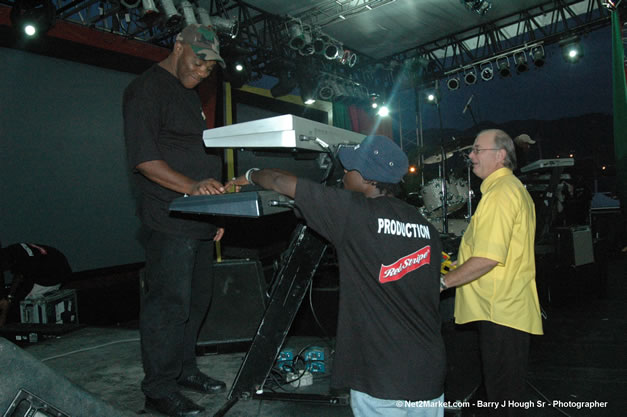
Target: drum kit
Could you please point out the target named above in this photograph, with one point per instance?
(435, 207)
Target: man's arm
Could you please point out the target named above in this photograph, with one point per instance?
(470, 270)
(160, 172)
(271, 179)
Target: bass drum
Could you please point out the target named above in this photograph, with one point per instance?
(431, 194)
(456, 227)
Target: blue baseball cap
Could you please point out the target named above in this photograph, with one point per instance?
(377, 158)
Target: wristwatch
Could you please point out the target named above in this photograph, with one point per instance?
(442, 283)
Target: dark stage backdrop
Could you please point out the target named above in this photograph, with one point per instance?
(62, 160)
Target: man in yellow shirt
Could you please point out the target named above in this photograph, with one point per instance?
(496, 272)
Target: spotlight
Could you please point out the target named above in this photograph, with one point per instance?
(572, 50)
(227, 26)
(320, 43)
(520, 60)
(384, 111)
(470, 77)
(480, 7)
(331, 50)
(173, 18)
(347, 57)
(374, 101)
(487, 71)
(307, 89)
(188, 13)
(453, 83)
(433, 97)
(32, 16)
(502, 65)
(611, 5)
(297, 38)
(149, 8)
(307, 48)
(537, 55)
(326, 89)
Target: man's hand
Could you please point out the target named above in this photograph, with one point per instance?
(208, 186)
(237, 182)
(219, 234)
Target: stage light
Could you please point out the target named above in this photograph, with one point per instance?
(297, 38)
(307, 48)
(374, 100)
(520, 60)
(326, 89)
(346, 57)
(480, 7)
(227, 26)
(32, 16)
(149, 7)
(173, 18)
(571, 49)
(320, 43)
(537, 55)
(611, 5)
(453, 83)
(470, 77)
(502, 65)
(332, 50)
(188, 13)
(433, 96)
(384, 111)
(307, 88)
(487, 71)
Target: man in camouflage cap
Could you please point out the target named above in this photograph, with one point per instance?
(163, 126)
(204, 42)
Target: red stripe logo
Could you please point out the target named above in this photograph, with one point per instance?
(405, 265)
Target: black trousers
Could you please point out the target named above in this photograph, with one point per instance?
(504, 358)
(176, 295)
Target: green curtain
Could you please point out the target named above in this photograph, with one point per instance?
(620, 110)
(341, 116)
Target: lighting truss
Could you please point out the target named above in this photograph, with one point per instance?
(329, 11)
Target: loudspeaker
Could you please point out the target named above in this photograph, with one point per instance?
(30, 388)
(239, 301)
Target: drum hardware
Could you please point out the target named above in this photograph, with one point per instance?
(443, 195)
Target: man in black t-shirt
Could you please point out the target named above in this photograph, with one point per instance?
(36, 269)
(389, 349)
(163, 126)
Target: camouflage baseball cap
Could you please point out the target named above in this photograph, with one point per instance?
(204, 42)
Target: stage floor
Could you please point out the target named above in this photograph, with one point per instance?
(581, 358)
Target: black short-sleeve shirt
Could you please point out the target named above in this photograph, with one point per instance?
(163, 120)
(389, 342)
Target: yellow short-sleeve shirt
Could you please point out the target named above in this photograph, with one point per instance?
(502, 229)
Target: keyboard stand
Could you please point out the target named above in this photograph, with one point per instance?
(293, 279)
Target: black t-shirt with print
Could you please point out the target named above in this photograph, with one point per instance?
(389, 342)
(163, 120)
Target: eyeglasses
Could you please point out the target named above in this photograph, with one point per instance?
(476, 150)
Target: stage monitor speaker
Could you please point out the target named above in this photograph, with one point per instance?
(239, 301)
(30, 388)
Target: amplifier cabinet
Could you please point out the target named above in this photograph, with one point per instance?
(239, 301)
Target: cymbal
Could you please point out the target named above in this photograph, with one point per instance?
(436, 159)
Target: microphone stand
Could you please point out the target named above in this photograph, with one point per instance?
(443, 175)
